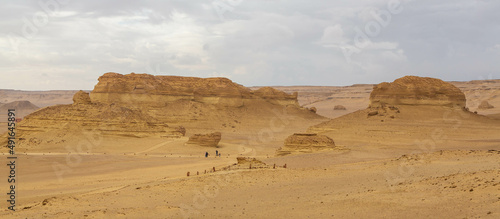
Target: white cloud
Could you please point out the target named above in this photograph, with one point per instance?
(259, 42)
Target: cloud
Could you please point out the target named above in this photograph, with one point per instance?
(257, 43)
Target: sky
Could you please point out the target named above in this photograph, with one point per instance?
(68, 44)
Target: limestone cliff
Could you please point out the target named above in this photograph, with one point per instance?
(152, 90)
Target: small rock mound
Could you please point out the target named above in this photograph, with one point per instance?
(339, 107)
(305, 143)
(485, 105)
(313, 109)
(206, 140)
(81, 97)
(413, 90)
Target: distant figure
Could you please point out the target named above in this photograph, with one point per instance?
(206, 154)
(219, 154)
(216, 153)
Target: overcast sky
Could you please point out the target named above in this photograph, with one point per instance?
(56, 44)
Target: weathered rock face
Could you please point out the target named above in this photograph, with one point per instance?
(62, 123)
(81, 97)
(305, 143)
(160, 90)
(413, 90)
(339, 107)
(485, 105)
(141, 105)
(207, 140)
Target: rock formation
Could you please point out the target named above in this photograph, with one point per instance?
(409, 113)
(305, 143)
(142, 105)
(152, 90)
(277, 96)
(413, 90)
(206, 140)
(313, 109)
(249, 160)
(339, 107)
(63, 123)
(81, 97)
(485, 105)
(249, 163)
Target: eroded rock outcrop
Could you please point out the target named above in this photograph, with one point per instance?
(413, 90)
(160, 90)
(206, 140)
(313, 109)
(142, 105)
(81, 97)
(65, 123)
(305, 143)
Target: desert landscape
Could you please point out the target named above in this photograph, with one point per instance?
(144, 146)
(250, 109)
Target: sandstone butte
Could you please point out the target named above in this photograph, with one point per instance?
(142, 105)
(133, 89)
(413, 90)
(409, 108)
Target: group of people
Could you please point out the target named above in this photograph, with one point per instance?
(217, 154)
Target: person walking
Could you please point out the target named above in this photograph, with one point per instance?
(206, 154)
(216, 153)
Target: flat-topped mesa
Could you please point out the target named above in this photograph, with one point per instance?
(413, 90)
(152, 90)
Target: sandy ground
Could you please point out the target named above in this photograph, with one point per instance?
(442, 184)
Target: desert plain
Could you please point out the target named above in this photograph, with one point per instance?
(135, 147)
